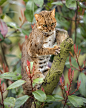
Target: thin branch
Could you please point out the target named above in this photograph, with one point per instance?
(34, 104)
(2, 99)
(57, 67)
(3, 54)
(65, 102)
(69, 18)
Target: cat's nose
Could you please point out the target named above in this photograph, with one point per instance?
(49, 30)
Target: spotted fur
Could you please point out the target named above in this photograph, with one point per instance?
(39, 46)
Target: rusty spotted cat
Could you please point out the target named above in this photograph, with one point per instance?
(39, 46)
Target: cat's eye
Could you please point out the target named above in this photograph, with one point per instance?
(52, 24)
(45, 25)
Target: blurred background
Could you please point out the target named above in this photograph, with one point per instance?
(18, 16)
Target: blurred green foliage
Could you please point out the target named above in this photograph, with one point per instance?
(68, 12)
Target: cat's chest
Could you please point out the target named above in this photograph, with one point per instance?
(49, 40)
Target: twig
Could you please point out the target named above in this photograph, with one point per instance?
(34, 104)
(2, 99)
(65, 102)
(68, 18)
(3, 53)
(1, 104)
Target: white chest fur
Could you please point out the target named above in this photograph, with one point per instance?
(49, 40)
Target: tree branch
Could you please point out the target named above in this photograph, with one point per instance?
(52, 78)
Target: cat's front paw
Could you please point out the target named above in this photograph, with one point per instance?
(57, 50)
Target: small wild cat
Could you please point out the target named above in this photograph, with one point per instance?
(39, 46)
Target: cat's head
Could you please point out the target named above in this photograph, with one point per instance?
(46, 21)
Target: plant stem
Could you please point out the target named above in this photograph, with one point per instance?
(32, 89)
(65, 102)
(3, 53)
(2, 98)
(63, 93)
(34, 104)
(31, 82)
(80, 69)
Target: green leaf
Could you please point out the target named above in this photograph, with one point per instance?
(10, 13)
(39, 2)
(82, 87)
(84, 100)
(74, 63)
(67, 62)
(1, 36)
(11, 76)
(62, 21)
(83, 43)
(29, 15)
(50, 98)
(37, 81)
(7, 41)
(12, 25)
(15, 61)
(25, 0)
(71, 3)
(69, 103)
(2, 1)
(5, 9)
(84, 18)
(16, 84)
(16, 3)
(57, 97)
(18, 70)
(81, 5)
(75, 100)
(58, 3)
(9, 102)
(2, 16)
(25, 32)
(30, 5)
(20, 101)
(38, 10)
(10, 55)
(39, 95)
(14, 91)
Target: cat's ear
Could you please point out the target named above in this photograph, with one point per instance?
(53, 12)
(37, 16)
